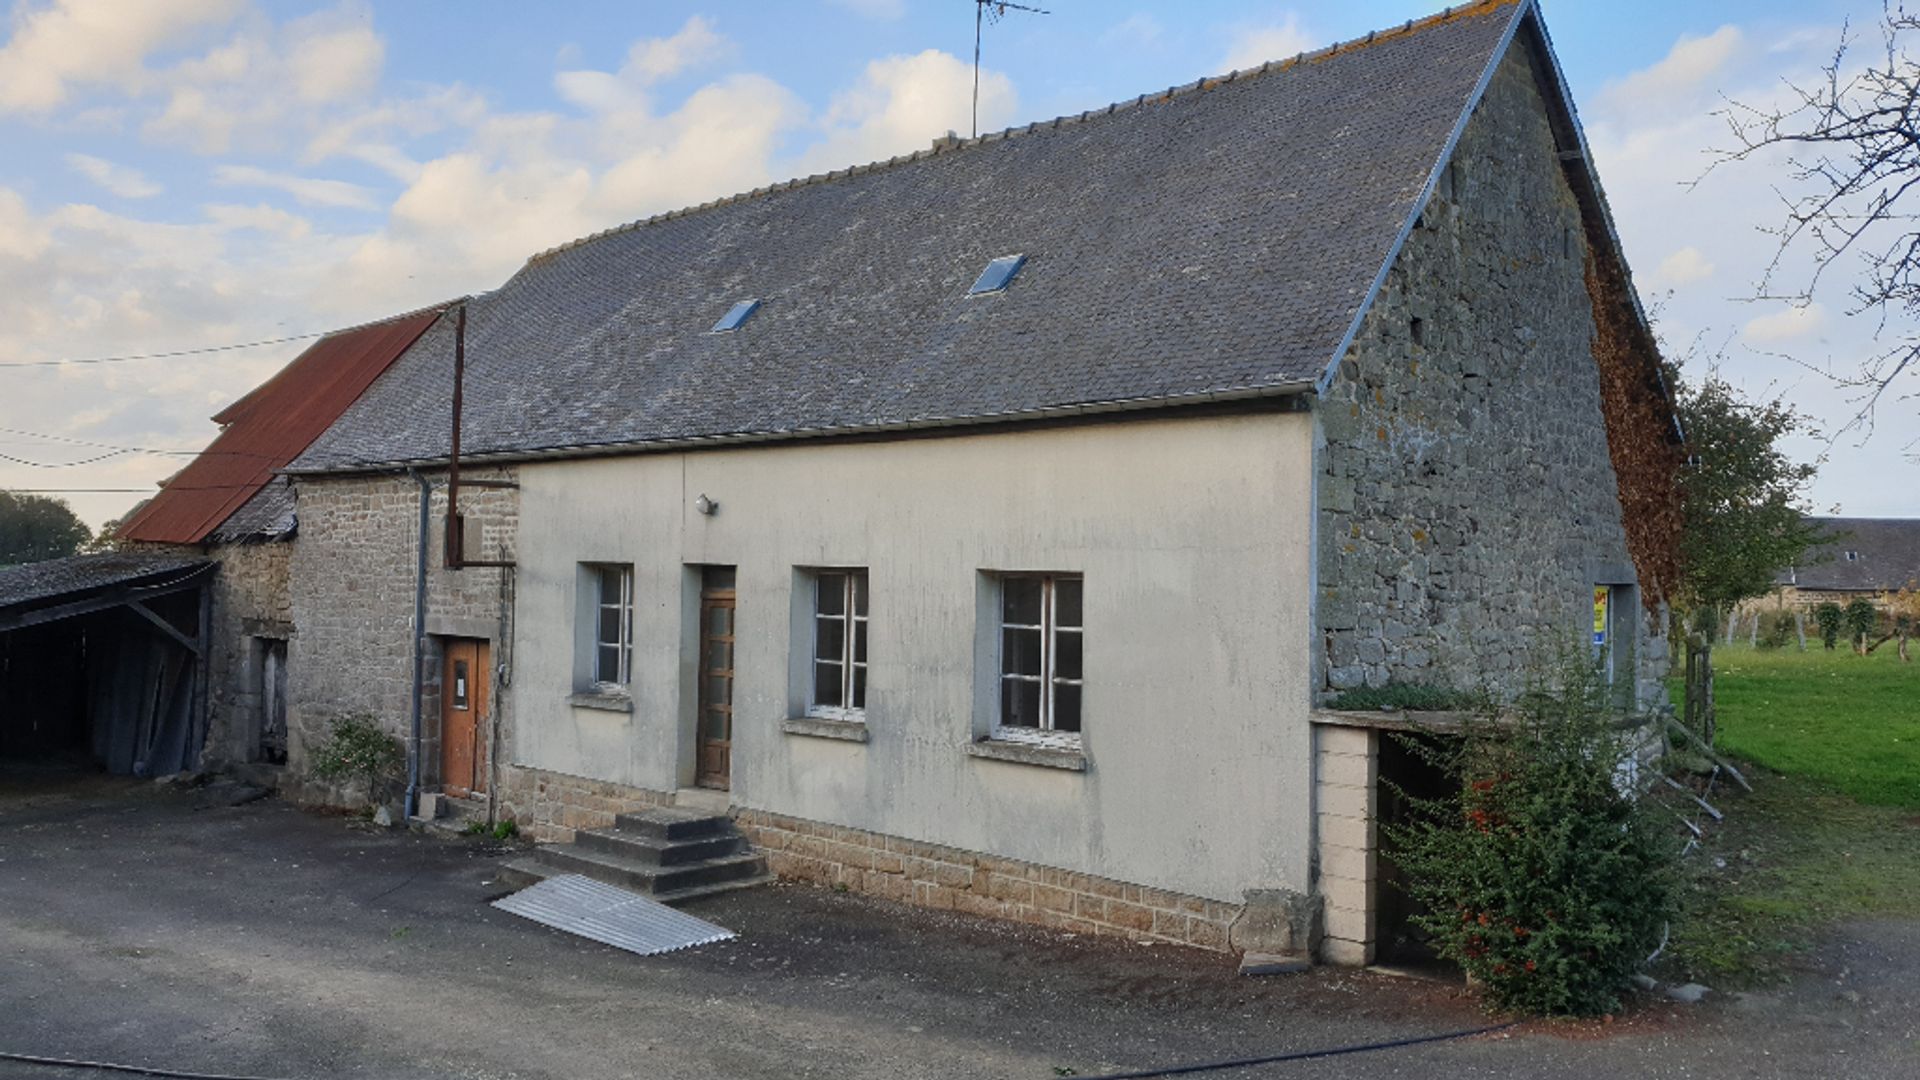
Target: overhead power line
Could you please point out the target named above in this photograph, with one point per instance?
(163, 355)
(205, 349)
(115, 448)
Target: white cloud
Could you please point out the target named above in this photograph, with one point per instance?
(121, 180)
(307, 190)
(902, 103)
(1694, 65)
(266, 84)
(1790, 324)
(260, 217)
(58, 48)
(649, 60)
(333, 56)
(1253, 46)
(1683, 267)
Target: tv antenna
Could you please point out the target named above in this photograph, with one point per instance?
(990, 11)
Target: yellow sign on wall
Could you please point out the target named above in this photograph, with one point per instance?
(1602, 599)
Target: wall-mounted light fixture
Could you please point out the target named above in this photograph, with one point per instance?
(705, 505)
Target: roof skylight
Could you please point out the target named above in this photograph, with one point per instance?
(735, 315)
(997, 275)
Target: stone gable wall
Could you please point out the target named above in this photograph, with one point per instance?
(1467, 501)
(353, 593)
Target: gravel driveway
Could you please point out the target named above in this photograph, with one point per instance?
(137, 926)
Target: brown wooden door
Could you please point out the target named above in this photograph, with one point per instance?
(464, 714)
(715, 741)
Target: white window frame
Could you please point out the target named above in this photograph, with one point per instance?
(624, 605)
(851, 579)
(1049, 679)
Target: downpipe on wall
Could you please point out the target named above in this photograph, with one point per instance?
(412, 807)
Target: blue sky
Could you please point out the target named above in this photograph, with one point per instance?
(184, 173)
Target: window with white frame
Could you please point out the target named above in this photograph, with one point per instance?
(612, 590)
(1041, 674)
(839, 645)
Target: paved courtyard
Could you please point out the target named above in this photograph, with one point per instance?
(139, 926)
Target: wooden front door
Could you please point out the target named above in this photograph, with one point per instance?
(464, 716)
(715, 741)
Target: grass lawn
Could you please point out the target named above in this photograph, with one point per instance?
(1831, 832)
(1847, 721)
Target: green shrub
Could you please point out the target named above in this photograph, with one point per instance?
(1832, 620)
(358, 748)
(1540, 876)
(1862, 617)
(1419, 697)
(1778, 629)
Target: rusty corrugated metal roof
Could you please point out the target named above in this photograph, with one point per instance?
(269, 427)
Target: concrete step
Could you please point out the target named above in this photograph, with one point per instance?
(657, 852)
(463, 811)
(524, 870)
(648, 879)
(667, 823)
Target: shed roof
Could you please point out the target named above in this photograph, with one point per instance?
(1216, 241)
(1885, 555)
(34, 584)
(265, 430)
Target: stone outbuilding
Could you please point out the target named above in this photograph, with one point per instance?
(229, 506)
(992, 528)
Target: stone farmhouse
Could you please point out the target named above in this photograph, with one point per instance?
(993, 528)
(1859, 558)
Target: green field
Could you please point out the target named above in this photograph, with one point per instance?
(1849, 722)
(1830, 835)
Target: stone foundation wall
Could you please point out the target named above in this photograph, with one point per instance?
(1467, 497)
(929, 875)
(550, 807)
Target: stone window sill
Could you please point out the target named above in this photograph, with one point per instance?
(1046, 757)
(821, 727)
(604, 702)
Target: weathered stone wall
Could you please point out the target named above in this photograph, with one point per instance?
(353, 574)
(252, 600)
(1467, 502)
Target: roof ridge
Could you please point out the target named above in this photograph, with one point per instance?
(951, 142)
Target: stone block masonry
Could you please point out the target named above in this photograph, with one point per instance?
(550, 807)
(353, 575)
(933, 876)
(1467, 498)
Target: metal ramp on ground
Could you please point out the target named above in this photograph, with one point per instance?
(611, 916)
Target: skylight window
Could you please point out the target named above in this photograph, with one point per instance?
(997, 274)
(735, 315)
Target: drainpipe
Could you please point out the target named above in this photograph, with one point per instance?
(412, 808)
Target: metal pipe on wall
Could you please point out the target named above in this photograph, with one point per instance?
(412, 808)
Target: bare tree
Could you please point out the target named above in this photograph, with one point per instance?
(1853, 145)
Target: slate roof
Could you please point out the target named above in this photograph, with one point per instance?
(1217, 242)
(31, 583)
(1887, 555)
(264, 430)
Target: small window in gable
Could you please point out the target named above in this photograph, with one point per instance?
(1853, 556)
(737, 314)
(998, 275)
